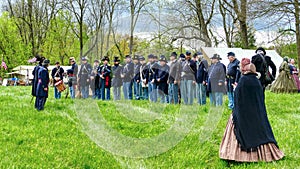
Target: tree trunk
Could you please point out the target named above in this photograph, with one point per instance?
(131, 26)
(243, 24)
(297, 24)
(30, 24)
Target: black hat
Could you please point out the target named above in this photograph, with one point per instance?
(260, 49)
(96, 60)
(57, 63)
(151, 56)
(195, 55)
(181, 55)
(46, 62)
(174, 54)
(135, 57)
(163, 58)
(230, 54)
(39, 58)
(142, 58)
(127, 56)
(155, 57)
(84, 58)
(116, 59)
(105, 58)
(188, 53)
(216, 56)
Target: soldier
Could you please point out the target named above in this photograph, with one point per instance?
(72, 77)
(127, 76)
(84, 77)
(162, 79)
(201, 79)
(144, 78)
(57, 75)
(95, 84)
(117, 80)
(188, 76)
(174, 78)
(136, 78)
(105, 78)
(152, 84)
(35, 72)
(42, 86)
(216, 81)
(232, 77)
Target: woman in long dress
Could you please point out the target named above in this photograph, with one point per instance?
(295, 73)
(248, 136)
(284, 83)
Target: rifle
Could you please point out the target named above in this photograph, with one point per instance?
(67, 92)
(31, 99)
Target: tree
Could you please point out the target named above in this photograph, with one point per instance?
(136, 7)
(32, 17)
(240, 9)
(61, 42)
(287, 14)
(12, 48)
(79, 8)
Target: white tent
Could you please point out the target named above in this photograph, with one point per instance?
(239, 53)
(26, 70)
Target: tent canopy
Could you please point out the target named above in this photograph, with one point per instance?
(239, 53)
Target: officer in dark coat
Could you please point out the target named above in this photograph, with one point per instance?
(35, 72)
(162, 79)
(117, 80)
(262, 63)
(57, 75)
(216, 81)
(42, 86)
(84, 77)
(232, 77)
(105, 78)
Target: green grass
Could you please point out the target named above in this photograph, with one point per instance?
(61, 136)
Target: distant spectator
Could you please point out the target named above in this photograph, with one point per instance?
(284, 82)
(295, 73)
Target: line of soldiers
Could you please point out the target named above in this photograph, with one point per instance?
(179, 80)
(174, 81)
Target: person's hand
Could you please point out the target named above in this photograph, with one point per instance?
(158, 80)
(204, 83)
(194, 82)
(138, 81)
(220, 84)
(45, 89)
(152, 81)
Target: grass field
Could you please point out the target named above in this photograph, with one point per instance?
(134, 134)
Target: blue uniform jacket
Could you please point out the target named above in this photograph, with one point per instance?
(43, 82)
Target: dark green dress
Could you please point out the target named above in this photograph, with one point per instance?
(284, 83)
